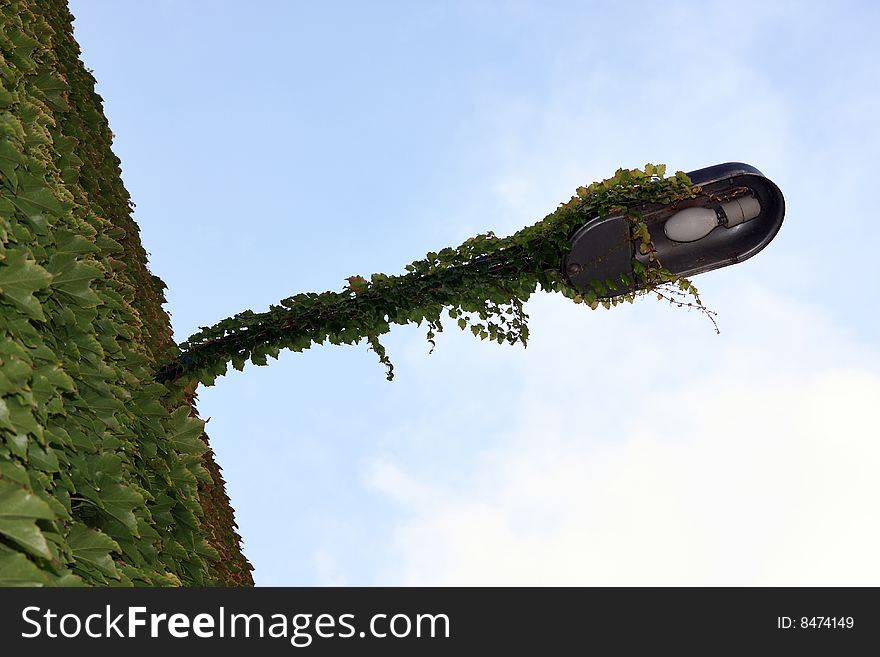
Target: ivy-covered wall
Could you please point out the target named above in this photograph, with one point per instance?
(105, 475)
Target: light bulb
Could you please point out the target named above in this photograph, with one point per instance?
(692, 224)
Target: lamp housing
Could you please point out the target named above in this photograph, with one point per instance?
(736, 213)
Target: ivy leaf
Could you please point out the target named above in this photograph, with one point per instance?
(26, 534)
(5, 421)
(357, 284)
(18, 570)
(185, 432)
(120, 502)
(42, 459)
(17, 502)
(19, 508)
(20, 279)
(67, 242)
(182, 476)
(205, 549)
(93, 548)
(56, 377)
(75, 279)
(36, 201)
(10, 158)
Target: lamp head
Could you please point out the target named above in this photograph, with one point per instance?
(736, 214)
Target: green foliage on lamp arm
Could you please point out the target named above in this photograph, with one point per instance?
(481, 285)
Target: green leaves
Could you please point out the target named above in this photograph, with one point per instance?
(17, 502)
(357, 284)
(487, 276)
(379, 348)
(19, 279)
(185, 432)
(27, 535)
(88, 441)
(120, 502)
(10, 159)
(73, 278)
(18, 570)
(93, 548)
(35, 204)
(19, 509)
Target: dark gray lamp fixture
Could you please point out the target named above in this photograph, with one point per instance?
(736, 214)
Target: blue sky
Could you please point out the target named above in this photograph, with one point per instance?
(280, 149)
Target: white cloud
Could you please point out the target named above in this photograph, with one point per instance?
(688, 458)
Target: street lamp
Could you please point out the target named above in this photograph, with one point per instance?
(737, 212)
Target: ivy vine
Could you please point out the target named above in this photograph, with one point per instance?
(482, 285)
